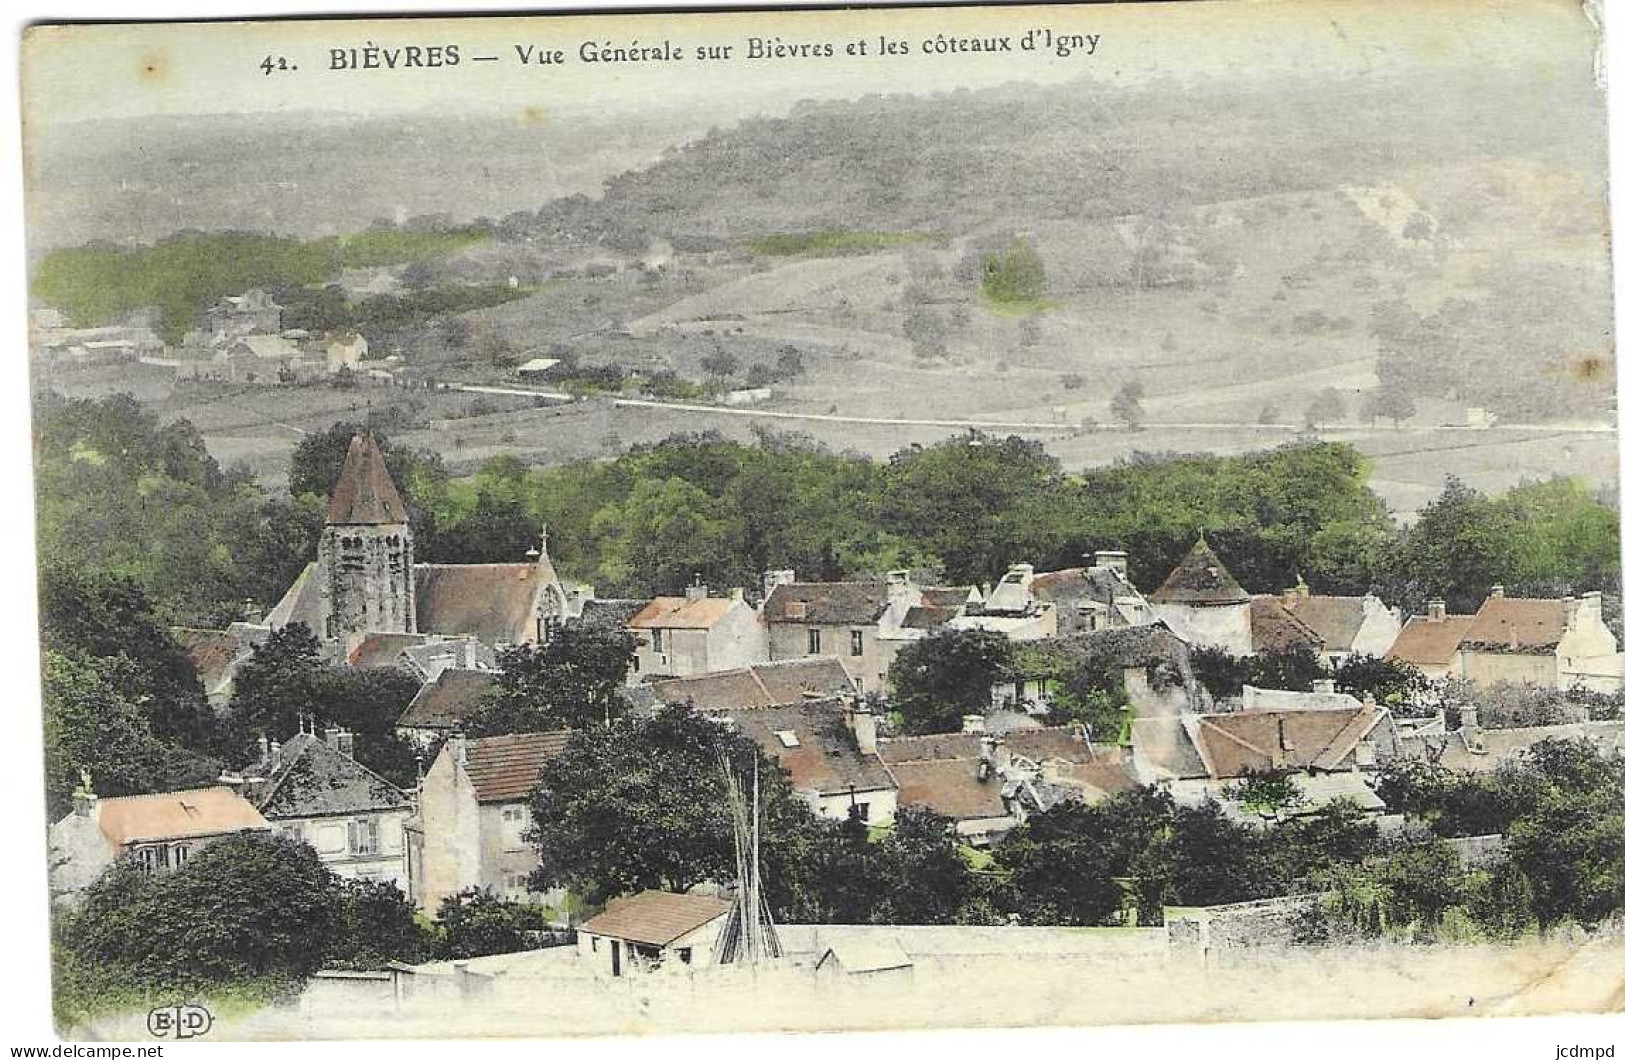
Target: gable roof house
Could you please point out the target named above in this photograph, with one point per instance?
(772, 684)
(473, 811)
(1153, 661)
(651, 930)
(829, 750)
(1346, 625)
(365, 580)
(1204, 604)
(1431, 641)
(444, 705)
(216, 654)
(312, 789)
(1308, 735)
(1089, 599)
(863, 623)
(1554, 643)
(160, 831)
(696, 633)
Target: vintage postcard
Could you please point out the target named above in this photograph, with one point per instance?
(762, 520)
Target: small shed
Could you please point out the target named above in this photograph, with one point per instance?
(867, 961)
(650, 929)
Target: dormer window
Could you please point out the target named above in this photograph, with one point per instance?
(795, 609)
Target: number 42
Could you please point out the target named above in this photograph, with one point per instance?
(277, 64)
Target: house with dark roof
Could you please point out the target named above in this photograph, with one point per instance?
(159, 831)
(772, 684)
(444, 705)
(696, 633)
(1345, 625)
(1093, 598)
(312, 789)
(860, 622)
(473, 812)
(1204, 604)
(653, 929)
(216, 655)
(1277, 629)
(829, 751)
(1152, 661)
(366, 581)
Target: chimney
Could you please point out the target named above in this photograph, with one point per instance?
(1498, 591)
(736, 594)
(1471, 734)
(863, 728)
(1571, 607)
(973, 723)
(275, 755)
(265, 748)
(1324, 685)
(1435, 610)
(84, 796)
(459, 748)
(898, 585)
(341, 740)
(697, 591)
(1112, 559)
(774, 578)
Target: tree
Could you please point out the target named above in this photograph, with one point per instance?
(929, 883)
(1266, 792)
(244, 907)
(1126, 404)
(1294, 669)
(572, 680)
(1060, 867)
(1202, 858)
(642, 804)
(719, 364)
(474, 922)
(1014, 274)
(91, 726)
(1393, 683)
(1388, 403)
(377, 925)
(940, 679)
(1221, 673)
(280, 683)
(1326, 407)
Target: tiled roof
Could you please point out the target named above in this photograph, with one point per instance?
(1129, 646)
(314, 780)
(655, 918)
(1099, 585)
(1508, 624)
(941, 772)
(506, 768)
(1260, 740)
(764, 685)
(1275, 628)
(827, 603)
(177, 815)
(1335, 619)
(609, 614)
(1164, 747)
(824, 757)
(1499, 745)
(299, 604)
(1200, 578)
(495, 602)
(679, 612)
(1430, 642)
(365, 495)
(448, 701)
(377, 650)
(928, 617)
(214, 652)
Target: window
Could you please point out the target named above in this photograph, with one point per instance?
(863, 811)
(658, 637)
(686, 955)
(815, 642)
(178, 853)
(152, 859)
(364, 836)
(857, 643)
(787, 737)
(513, 813)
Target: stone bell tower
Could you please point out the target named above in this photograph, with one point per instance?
(364, 559)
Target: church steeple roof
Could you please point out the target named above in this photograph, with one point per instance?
(365, 495)
(1200, 578)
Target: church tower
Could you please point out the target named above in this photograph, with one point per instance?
(364, 560)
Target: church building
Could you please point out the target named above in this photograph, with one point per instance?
(366, 579)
